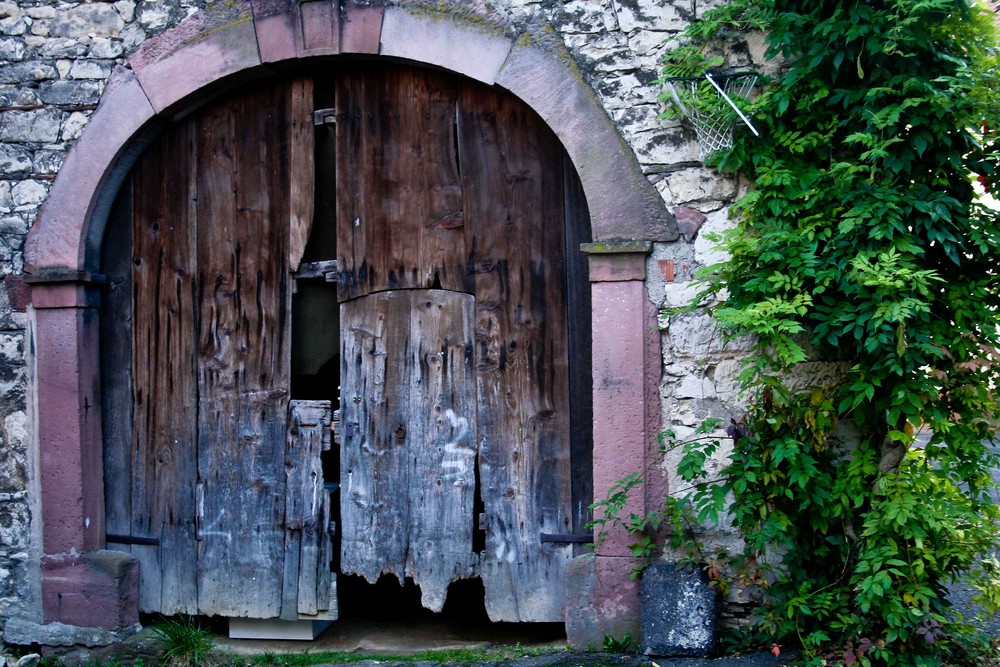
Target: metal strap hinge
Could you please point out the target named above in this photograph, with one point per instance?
(324, 116)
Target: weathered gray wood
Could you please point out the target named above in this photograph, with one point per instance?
(243, 372)
(307, 509)
(399, 205)
(513, 201)
(408, 451)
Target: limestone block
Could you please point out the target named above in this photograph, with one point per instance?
(11, 49)
(71, 93)
(606, 52)
(666, 146)
(587, 16)
(695, 386)
(103, 47)
(41, 125)
(125, 9)
(6, 201)
(619, 91)
(727, 386)
(62, 48)
(153, 16)
(693, 335)
(132, 36)
(42, 12)
(91, 69)
(700, 184)
(678, 612)
(662, 16)
(31, 70)
(679, 295)
(73, 125)
(638, 118)
(19, 96)
(13, 21)
(14, 519)
(48, 161)
(649, 42)
(707, 251)
(14, 476)
(28, 193)
(86, 21)
(14, 159)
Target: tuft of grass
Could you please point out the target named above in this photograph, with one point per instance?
(618, 645)
(184, 642)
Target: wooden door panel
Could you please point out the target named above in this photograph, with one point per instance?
(399, 203)
(408, 446)
(243, 355)
(513, 201)
(149, 456)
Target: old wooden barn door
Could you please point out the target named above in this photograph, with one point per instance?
(464, 439)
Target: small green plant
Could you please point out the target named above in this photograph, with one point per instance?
(622, 644)
(184, 642)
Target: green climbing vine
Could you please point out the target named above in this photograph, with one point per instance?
(862, 240)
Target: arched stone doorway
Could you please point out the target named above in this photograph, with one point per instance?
(180, 69)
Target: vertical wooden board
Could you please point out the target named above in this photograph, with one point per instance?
(306, 508)
(441, 433)
(374, 475)
(164, 378)
(513, 195)
(408, 443)
(301, 164)
(399, 205)
(243, 279)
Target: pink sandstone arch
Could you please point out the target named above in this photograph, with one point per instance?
(82, 584)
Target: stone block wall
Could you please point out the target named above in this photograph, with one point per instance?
(56, 57)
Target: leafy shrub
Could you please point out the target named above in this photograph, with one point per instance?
(862, 240)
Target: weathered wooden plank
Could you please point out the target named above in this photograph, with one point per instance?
(408, 442)
(398, 179)
(290, 575)
(163, 365)
(513, 202)
(442, 405)
(373, 471)
(301, 166)
(243, 371)
(307, 506)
